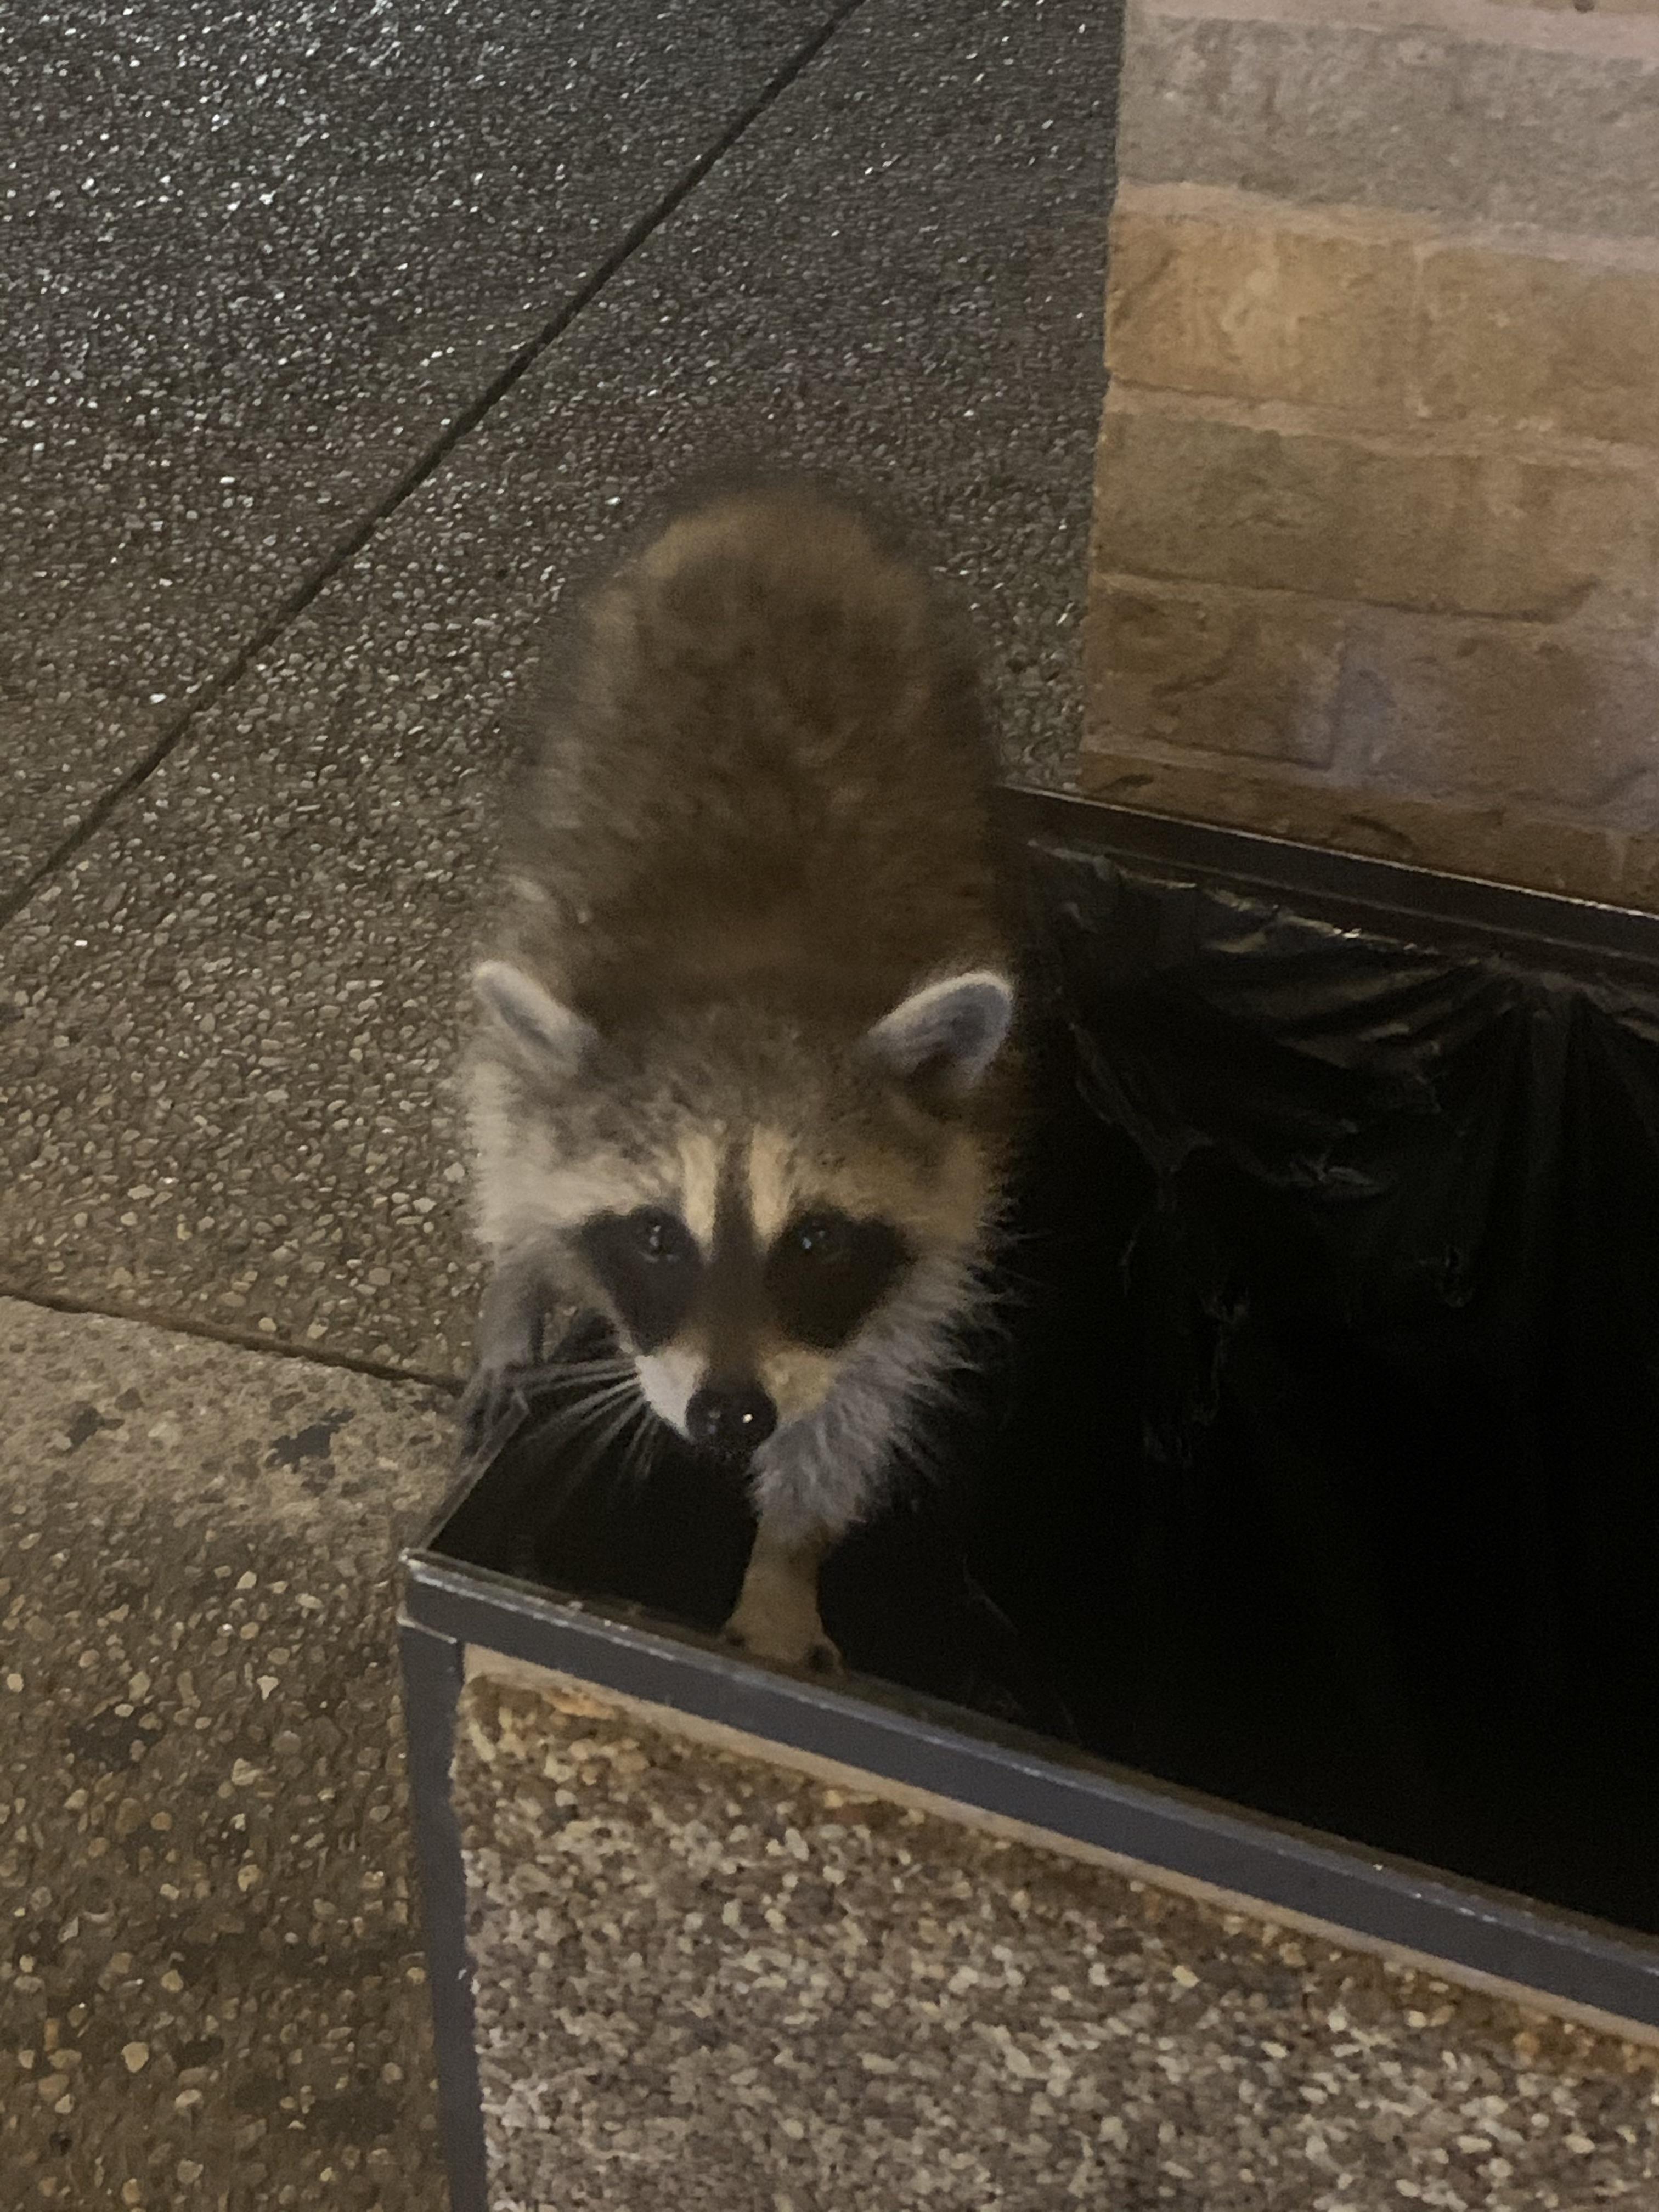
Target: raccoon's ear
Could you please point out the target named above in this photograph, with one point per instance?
(947, 1033)
(552, 1036)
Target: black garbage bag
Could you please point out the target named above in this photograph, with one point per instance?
(1337, 1482)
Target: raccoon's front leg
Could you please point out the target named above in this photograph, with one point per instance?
(510, 1341)
(776, 1615)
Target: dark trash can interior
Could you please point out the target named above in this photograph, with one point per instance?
(1314, 1463)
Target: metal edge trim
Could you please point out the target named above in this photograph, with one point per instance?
(1381, 894)
(431, 1668)
(948, 1754)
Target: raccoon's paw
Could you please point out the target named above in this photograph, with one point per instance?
(495, 1399)
(776, 1617)
(816, 1654)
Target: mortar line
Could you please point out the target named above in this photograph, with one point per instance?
(238, 1340)
(214, 688)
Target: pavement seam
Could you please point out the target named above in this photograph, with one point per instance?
(213, 689)
(381, 1371)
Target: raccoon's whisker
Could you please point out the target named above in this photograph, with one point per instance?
(602, 1444)
(579, 1374)
(594, 1420)
(573, 1421)
(597, 1387)
(580, 1446)
(637, 1465)
(625, 1418)
(603, 1408)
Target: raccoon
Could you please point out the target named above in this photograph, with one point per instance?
(744, 1081)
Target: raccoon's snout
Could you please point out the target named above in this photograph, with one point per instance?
(730, 1421)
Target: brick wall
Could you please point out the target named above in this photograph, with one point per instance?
(1377, 546)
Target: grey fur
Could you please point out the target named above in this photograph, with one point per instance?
(961, 1024)
(757, 824)
(530, 1023)
(827, 1471)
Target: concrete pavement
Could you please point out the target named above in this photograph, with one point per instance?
(342, 342)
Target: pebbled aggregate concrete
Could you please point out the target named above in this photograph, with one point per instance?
(708, 1981)
(255, 261)
(211, 1976)
(227, 1027)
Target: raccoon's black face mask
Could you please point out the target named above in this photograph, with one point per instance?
(756, 1207)
(724, 1315)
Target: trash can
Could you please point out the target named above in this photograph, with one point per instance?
(1294, 1539)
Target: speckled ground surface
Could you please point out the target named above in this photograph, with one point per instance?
(227, 1025)
(211, 1983)
(729, 1987)
(255, 261)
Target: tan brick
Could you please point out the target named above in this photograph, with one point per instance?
(1255, 306)
(1583, 6)
(1638, 876)
(1552, 720)
(1285, 803)
(1551, 343)
(1209, 498)
(1227, 671)
(1196, 790)
(1444, 108)
(1577, 859)
(1542, 853)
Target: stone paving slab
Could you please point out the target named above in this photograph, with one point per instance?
(211, 1979)
(252, 262)
(232, 1020)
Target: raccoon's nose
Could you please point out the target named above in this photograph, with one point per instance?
(731, 1421)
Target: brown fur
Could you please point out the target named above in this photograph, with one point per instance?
(766, 778)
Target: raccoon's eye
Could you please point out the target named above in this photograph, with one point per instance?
(820, 1236)
(660, 1238)
(827, 1273)
(648, 1265)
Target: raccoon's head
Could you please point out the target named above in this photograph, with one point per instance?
(756, 1209)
